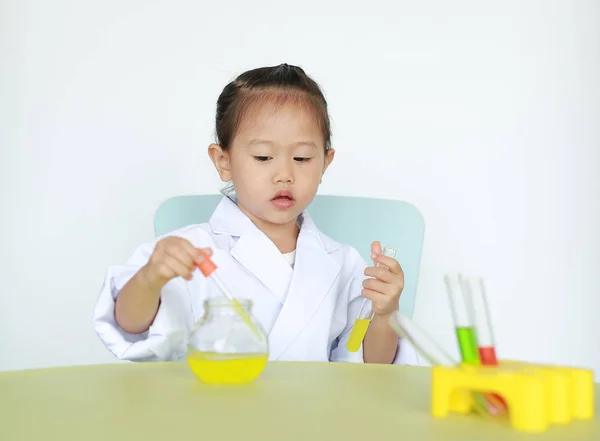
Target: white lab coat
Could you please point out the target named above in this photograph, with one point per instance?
(308, 311)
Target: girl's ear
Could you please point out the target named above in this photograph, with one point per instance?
(220, 159)
(329, 154)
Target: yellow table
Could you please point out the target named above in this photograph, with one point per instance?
(290, 401)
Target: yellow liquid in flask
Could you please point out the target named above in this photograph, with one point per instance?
(357, 335)
(216, 368)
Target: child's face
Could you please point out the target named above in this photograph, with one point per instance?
(276, 162)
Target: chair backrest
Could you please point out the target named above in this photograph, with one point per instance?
(352, 220)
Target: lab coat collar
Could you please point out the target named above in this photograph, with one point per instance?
(252, 249)
(314, 271)
(229, 219)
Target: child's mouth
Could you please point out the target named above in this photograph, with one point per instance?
(283, 201)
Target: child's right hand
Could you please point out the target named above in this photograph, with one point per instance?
(172, 257)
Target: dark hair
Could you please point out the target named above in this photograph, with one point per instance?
(277, 84)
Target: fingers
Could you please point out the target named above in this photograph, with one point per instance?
(378, 299)
(373, 296)
(189, 261)
(389, 262)
(182, 256)
(168, 268)
(184, 245)
(177, 268)
(176, 256)
(184, 253)
(392, 264)
(381, 274)
(203, 253)
(387, 289)
(376, 248)
(385, 283)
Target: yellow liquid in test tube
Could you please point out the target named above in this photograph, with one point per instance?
(214, 368)
(359, 330)
(362, 322)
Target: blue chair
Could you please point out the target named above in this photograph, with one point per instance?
(352, 220)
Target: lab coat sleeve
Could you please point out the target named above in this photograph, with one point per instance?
(406, 354)
(165, 339)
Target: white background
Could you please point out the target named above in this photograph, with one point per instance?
(486, 115)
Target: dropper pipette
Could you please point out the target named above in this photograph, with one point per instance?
(208, 267)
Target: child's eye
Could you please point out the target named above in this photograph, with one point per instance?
(299, 159)
(262, 158)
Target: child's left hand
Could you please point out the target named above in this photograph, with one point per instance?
(386, 286)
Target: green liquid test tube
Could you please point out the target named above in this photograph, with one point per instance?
(467, 344)
(463, 319)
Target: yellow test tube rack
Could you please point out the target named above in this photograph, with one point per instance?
(537, 396)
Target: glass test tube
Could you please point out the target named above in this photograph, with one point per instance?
(365, 312)
(482, 321)
(364, 316)
(463, 318)
(466, 335)
(485, 337)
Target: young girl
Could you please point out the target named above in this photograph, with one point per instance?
(274, 146)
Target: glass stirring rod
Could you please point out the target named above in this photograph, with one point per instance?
(365, 314)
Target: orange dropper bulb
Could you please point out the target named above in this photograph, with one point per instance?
(207, 266)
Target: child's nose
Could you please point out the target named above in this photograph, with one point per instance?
(284, 172)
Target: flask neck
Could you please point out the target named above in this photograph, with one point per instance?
(222, 307)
